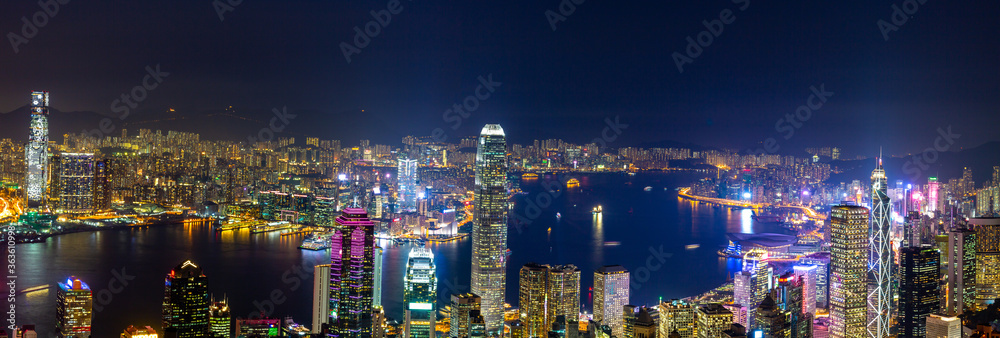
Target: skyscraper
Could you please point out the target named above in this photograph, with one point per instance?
(677, 316)
(880, 260)
(321, 297)
(918, 289)
(771, 320)
(987, 260)
(406, 178)
(564, 293)
(74, 309)
(420, 294)
(219, 320)
(352, 266)
(712, 320)
(533, 292)
(961, 269)
(36, 153)
(464, 308)
(808, 274)
(755, 263)
(849, 253)
(185, 302)
(489, 225)
(611, 294)
(76, 182)
(377, 290)
(943, 327)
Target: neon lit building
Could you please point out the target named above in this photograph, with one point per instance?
(352, 273)
(489, 226)
(611, 294)
(74, 309)
(933, 189)
(37, 151)
(407, 180)
(186, 302)
(880, 260)
(420, 294)
(849, 255)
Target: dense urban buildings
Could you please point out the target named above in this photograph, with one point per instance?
(848, 263)
(489, 226)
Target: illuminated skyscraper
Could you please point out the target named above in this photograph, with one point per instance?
(76, 182)
(464, 309)
(377, 288)
(880, 260)
(943, 327)
(533, 299)
(712, 320)
(352, 266)
(761, 280)
(808, 273)
(321, 297)
(987, 260)
(37, 151)
(74, 309)
(564, 293)
(611, 294)
(961, 269)
(407, 180)
(933, 191)
(918, 289)
(489, 225)
(677, 316)
(185, 302)
(849, 255)
(420, 294)
(219, 320)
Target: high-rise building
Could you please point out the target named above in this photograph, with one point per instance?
(943, 327)
(564, 293)
(352, 279)
(918, 288)
(420, 294)
(880, 260)
(848, 263)
(712, 320)
(134, 332)
(489, 225)
(36, 153)
(743, 293)
(961, 269)
(771, 321)
(219, 320)
(464, 309)
(611, 294)
(808, 273)
(822, 263)
(74, 309)
(102, 185)
(76, 182)
(185, 302)
(677, 316)
(377, 290)
(643, 326)
(406, 178)
(533, 296)
(987, 260)
(790, 297)
(321, 297)
(761, 280)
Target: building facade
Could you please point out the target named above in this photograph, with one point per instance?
(352, 275)
(489, 225)
(74, 309)
(186, 302)
(848, 267)
(611, 294)
(420, 295)
(880, 260)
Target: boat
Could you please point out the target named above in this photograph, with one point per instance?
(612, 243)
(573, 183)
(647, 189)
(692, 246)
(507, 253)
(558, 216)
(597, 210)
(316, 241)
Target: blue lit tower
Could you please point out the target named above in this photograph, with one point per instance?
(489, 225)
(880, 262)
(37, 152)
(420, 294)
(407, 180)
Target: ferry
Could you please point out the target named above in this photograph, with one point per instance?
(558, 216)
(316, 241)
(507, 253)
(35, 288)
(692, 246)
(647, 189)
(612, 243)
(573, 183)
(597, 210)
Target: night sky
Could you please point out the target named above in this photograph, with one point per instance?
(607, 58)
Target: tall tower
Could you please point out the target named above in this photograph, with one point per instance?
(74, 309)
(420, 294)
(849, 253)
(918, 288)
(880, 262)
(186, 302)
(564, 293)
(352, 279)
(406, 178)
(489, 225)
(321, 297)
(961, 268)
(611, 294)
(219, 319)
(464, 308)
(76, 182)
(36, 153)
(987, 260)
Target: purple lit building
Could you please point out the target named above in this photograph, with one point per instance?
(352, 268)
